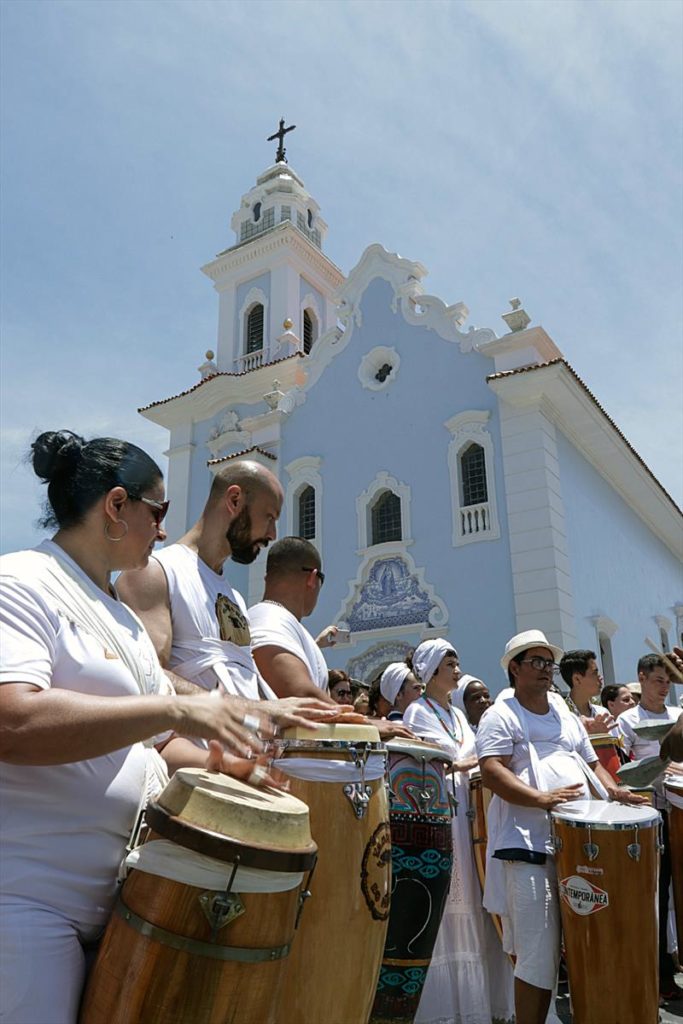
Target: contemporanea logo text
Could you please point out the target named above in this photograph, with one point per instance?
(582, 896)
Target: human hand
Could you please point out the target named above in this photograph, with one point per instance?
(547, 800)
(304, 711)
(600, 723)
(257, 772)
(391, 730)
(328, 637)
(620, 795)
(466, 765)
(239, 725)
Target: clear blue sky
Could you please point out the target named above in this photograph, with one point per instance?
(515, 148)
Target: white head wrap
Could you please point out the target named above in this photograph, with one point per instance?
(458, 696)
(428, 656)
(392, 680)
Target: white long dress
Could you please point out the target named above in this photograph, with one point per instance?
(470, 978)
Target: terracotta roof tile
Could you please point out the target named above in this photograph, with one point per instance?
(245, 451)
(222, 373)
(582, 383)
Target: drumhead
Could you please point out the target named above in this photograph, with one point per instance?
(417, 750)
(652, 729)
(600, 814)
(603, 739)
(673, 789)
(236, 810)
(334, 733)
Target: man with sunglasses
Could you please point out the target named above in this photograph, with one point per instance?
(287, 656)
(534, 754)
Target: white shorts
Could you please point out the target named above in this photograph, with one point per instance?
(42, 965)
(532, 930)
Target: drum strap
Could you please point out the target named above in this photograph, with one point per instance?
(195, 947)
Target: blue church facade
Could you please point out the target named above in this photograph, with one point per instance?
(456, 483)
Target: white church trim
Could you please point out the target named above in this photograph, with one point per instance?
(372, 363)
(437, 617)
(364, 503)
(472, 523)
(305, 472)
(366, 666)
(251, 360)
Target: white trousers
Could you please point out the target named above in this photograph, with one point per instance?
(42, 965)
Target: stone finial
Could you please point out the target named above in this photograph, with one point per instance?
(208, 368)
(273, 398)
(518, 319)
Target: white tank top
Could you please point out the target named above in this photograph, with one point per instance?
(211, 635)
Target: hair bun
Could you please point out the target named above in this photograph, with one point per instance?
(56, 452)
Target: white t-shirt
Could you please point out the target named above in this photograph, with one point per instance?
(273, 625)
(205, 608)
(64, 827)
(527, 827)
(638, 747)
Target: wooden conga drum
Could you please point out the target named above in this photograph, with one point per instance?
(673, 789)
(607, 861)
(480, 798)
(332, 972)
(607, 748)
(422, 860)
(207, 916)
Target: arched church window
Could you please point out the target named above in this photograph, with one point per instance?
(473, 475)
(309, 331)
(386, 518)
(254, 332)
(309, 218)
(306, 513)
(257, 211)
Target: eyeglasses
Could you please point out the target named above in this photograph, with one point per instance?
(319, 573)
(160, 508)
(541, 663)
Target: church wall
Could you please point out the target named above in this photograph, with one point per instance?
(359, 433)
(620, 569)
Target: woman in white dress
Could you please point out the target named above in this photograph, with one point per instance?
(470, 978)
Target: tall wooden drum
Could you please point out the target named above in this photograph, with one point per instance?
(673, 788)
(480, 798)
(607, 865)
(208, 913)
(422, 860)
(332, 973)
(607, 747)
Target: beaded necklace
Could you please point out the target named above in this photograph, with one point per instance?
(447, 728)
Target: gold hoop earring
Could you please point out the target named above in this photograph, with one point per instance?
(119, 522)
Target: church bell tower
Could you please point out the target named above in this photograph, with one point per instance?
(275, 285)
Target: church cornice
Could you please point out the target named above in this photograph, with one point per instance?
(282, 238)
(208, 396)
(572, 406)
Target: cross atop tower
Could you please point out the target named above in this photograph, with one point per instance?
(280, 136)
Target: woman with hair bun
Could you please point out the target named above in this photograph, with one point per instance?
(83, 700)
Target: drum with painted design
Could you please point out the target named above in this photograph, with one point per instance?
(207, 915)
(673, 788)
(607, 858)
(332, 973)
(608, 748)
(422, 859)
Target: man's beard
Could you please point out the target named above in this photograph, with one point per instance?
(243, 547)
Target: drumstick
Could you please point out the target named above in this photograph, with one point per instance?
(674, 668)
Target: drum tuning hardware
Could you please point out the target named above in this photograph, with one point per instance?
(453, 804)
(220, 908)
(304, 895)
(590, 848)
(471, 813)
(359, 797)
(633, 849)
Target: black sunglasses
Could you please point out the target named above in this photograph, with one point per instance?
(319, 573)
(159, 508)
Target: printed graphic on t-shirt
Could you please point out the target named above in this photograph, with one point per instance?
(232, 624)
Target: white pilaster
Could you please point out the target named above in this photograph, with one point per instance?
(541, 571)
(178, 484)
